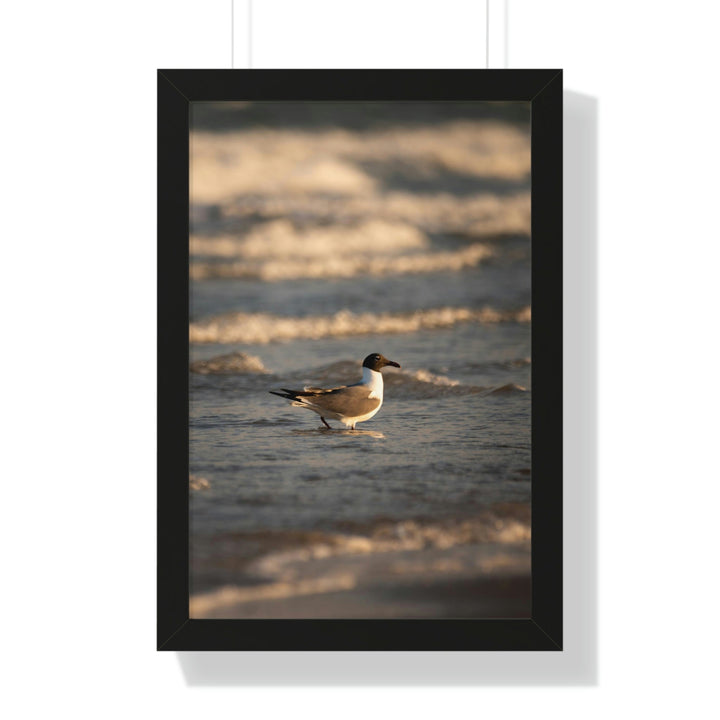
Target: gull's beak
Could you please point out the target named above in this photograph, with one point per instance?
(393, 363)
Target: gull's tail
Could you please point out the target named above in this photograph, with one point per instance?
(287, 394)
(295, 394)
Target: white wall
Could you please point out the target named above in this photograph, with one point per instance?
(77, 296)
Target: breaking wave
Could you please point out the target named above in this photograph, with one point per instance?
(262, 328)
(282, 239)
(480, 215)
(422, 385)
(402, 536)
(278, 250)
(343, 265)
(337, 162)
(237, 363)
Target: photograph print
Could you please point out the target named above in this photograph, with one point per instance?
(360, 374)
(366, 395)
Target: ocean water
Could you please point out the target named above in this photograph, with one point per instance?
(322, 232)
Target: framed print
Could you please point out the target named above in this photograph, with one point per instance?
(359, 360)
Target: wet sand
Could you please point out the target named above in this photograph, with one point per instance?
(479, 597)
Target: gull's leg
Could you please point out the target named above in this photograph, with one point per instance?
(324, 423)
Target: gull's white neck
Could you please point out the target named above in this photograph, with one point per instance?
(374, 380)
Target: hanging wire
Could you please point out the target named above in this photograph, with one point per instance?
(249, 33)
(232, 34)
(487, 34)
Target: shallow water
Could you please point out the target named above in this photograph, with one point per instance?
(412, 241)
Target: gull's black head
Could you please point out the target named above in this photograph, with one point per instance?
(375, 361)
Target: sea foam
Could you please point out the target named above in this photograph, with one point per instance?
(261, 328)
(476, 215)
(237, 363)
(282, 238)
(342, 265)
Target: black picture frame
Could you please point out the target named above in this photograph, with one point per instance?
(177, 89)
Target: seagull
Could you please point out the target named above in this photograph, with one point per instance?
(350, 404)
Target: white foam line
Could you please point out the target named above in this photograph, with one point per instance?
(261, 328)
(202, 605)
(344, 266)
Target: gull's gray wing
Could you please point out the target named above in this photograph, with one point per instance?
(351, 401)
